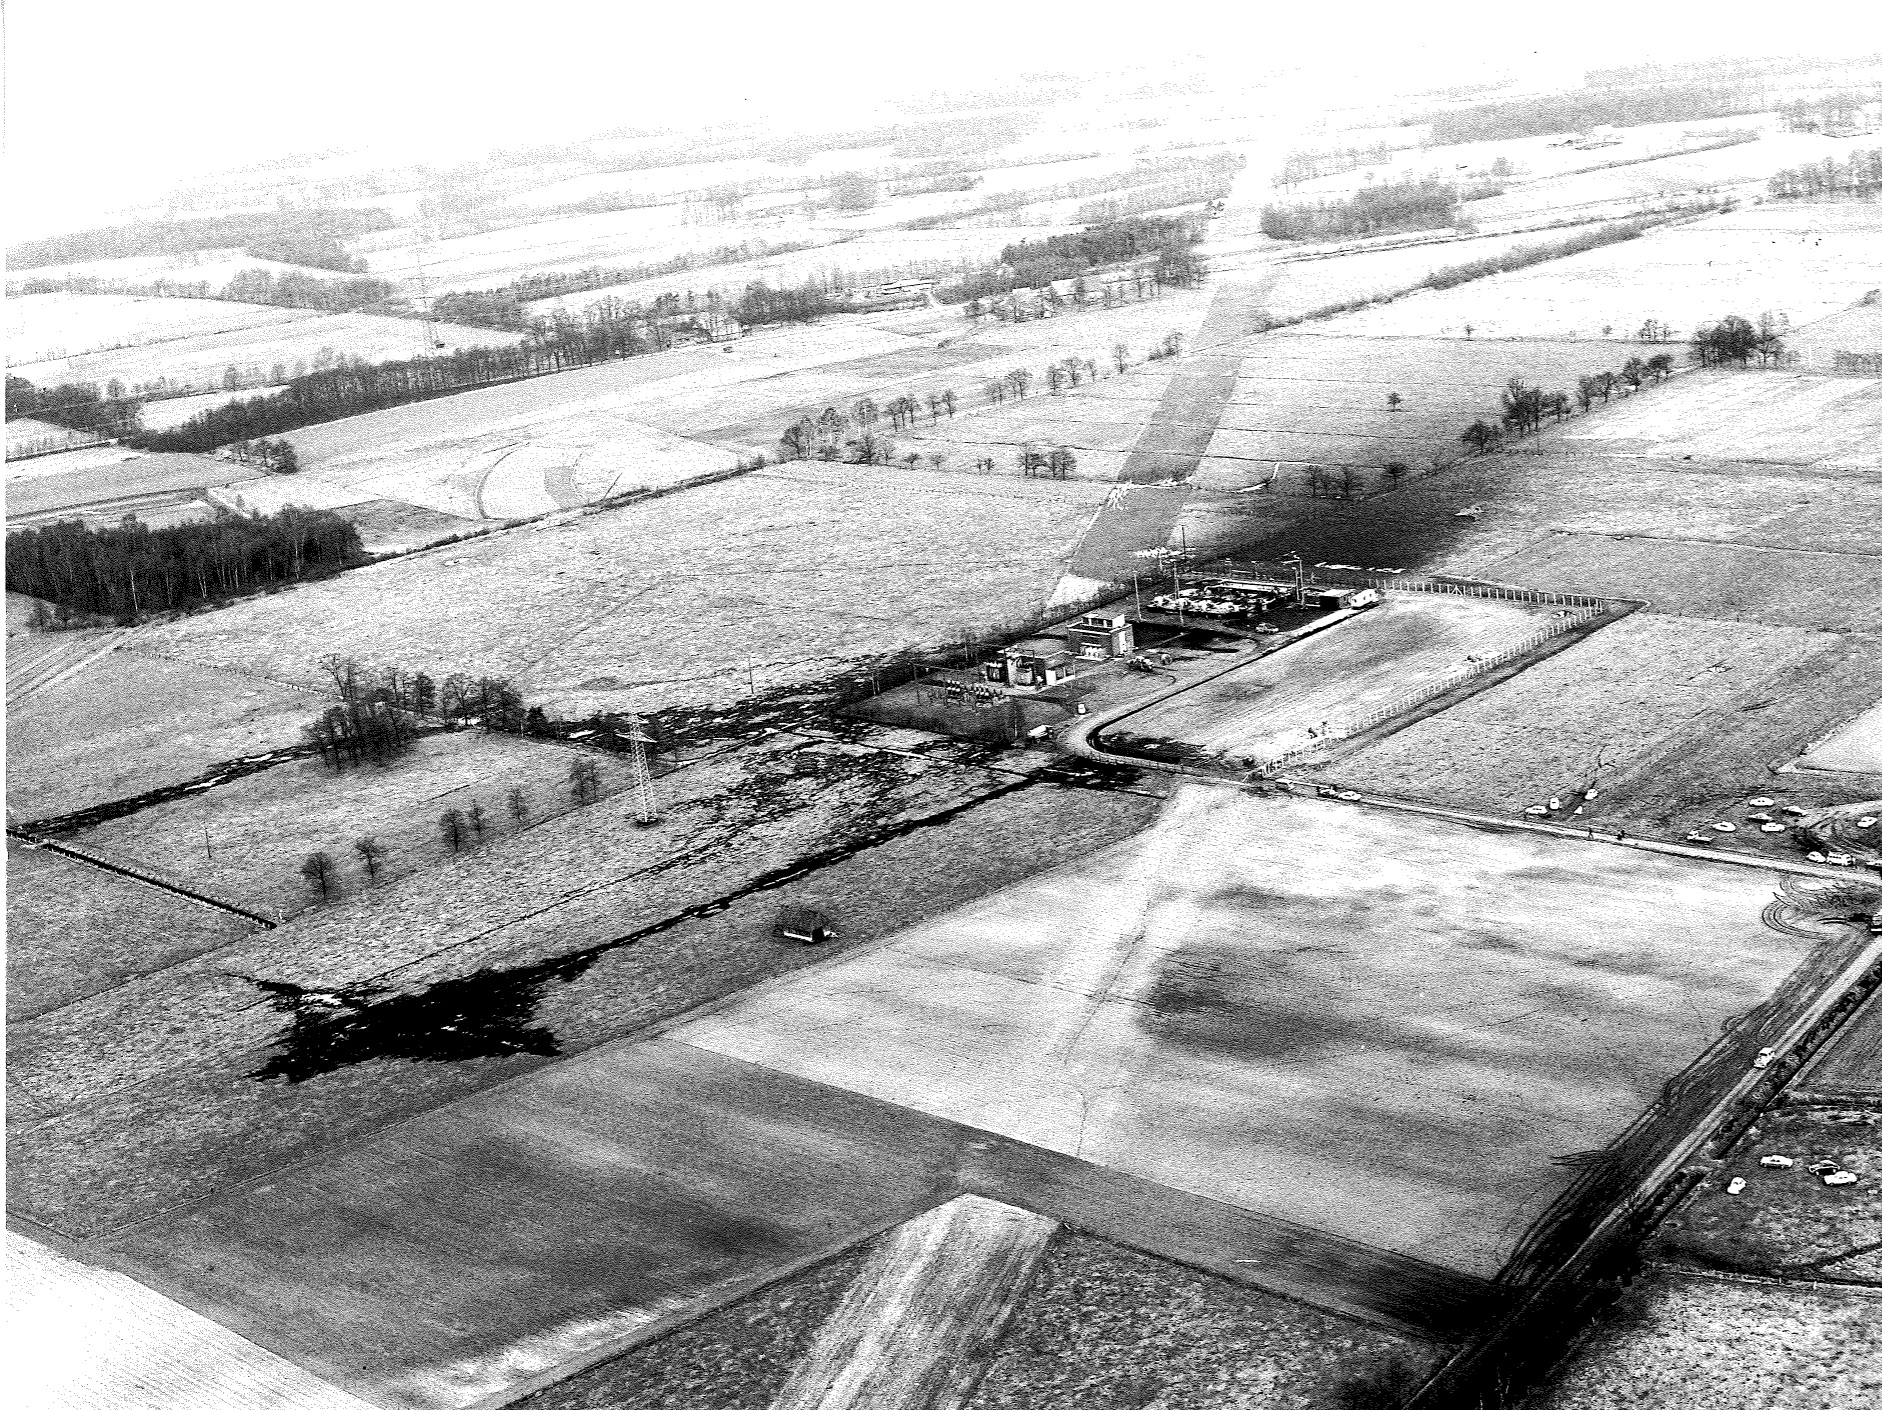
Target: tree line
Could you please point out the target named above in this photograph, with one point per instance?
(1619, 106)
(1734, 338)
(127, 570)
(1522, 256)
(1524, 407)
(314, 237)
(1828, 179)
(293, 289)
(1167, 242)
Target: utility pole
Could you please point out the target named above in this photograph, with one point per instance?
(646, 812)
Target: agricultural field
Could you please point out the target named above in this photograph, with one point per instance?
(1855, 330)
(245, 840)
(1855, 747)
(1270, 406)
(1634, 709)
(1747, 165)
(78, 929)
(105, 483)
(47, 332)
(28, 436)
(170, 412)
(541, 942)
(129, 722)
(1850, 1066)
(780, 575)
(1408, 1080)
(1801, 260)
(1104, 1325)
(294, 342)
(1828, 423)
(1677, 1339)
(1257, 713)
(131, 1346)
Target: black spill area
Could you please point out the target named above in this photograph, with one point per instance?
(228, 772)
(1237, 1003)
(491, 1013)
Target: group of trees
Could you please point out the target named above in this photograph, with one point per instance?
(78, 406)
(1308, 166)
(271, 455)
(458, 827)
(1524, 407)
(361, 731)
(1415, 203)
(315, 237)
(130, 569)
(1735, 338)
(836, 434)
(1162, 244)
(1860, 176)
(1055, 464)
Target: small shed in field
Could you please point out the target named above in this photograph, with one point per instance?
(803, 924)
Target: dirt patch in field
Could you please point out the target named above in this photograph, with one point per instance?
(1678, 1340)
(1106, 1326)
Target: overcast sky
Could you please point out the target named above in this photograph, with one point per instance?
(114, 102)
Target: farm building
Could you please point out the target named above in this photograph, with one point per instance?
(1034, 664)
(1098, 636)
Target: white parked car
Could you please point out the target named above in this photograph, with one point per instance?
(1770, 827)
(1738, 1183)
(1724, 827)
(1840, 1177)
(1777, 1162)
(1761, 802)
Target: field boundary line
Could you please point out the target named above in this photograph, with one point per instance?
(1768, 1280)
(138, 873)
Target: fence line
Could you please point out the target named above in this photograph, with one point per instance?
(1411, 699)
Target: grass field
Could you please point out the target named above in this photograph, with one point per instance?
(48, 328)
(1855, 330)
(1259, 712)
(1787, 1223)
(1680, 1340)
(104, 490)
(245, 840)
(77, 929)
(1328, 1015)
(197, 358)
(1852, 1063)
(1648, 712)
(1829, 423)
(798, 568)
(129, 722)
(1790, 259)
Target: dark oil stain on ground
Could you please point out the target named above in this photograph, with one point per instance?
(1238, 1003)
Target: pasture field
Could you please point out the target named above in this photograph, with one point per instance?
(45, 329)
(1793, 261)
(1830, 423)
(794, 569)
(1474, 1005)
(199, 359)
(1787, 1223)
(1855, 330)
(26, 435)
(1746, 165)
(1275, 404)
(130, 722)
(114, 483)
(245, 840)
(1727, 582)
(171, 412)
(1678, 1339)
(1675, 722)
(1855, 747)
(527, 447)
(76, 929)
(111, 483)
(1255, 714)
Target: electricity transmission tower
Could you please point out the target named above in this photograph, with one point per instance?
(646, 812)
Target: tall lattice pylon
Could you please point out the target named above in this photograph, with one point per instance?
(646, 811)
